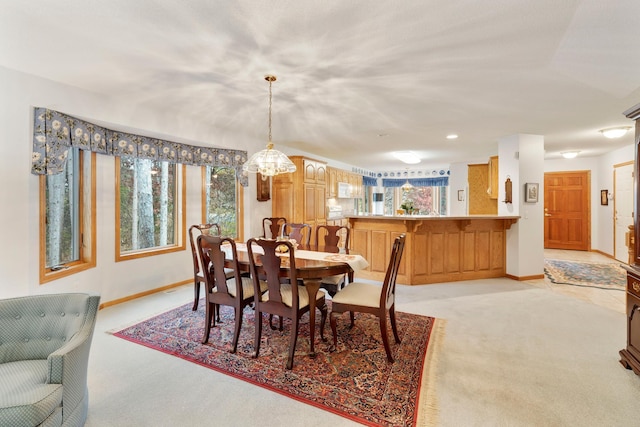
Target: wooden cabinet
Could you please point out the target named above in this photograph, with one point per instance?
(493, 178)
(630, 355)
(301, 196)
(335, 176)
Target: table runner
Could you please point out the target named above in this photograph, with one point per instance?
(356, 262)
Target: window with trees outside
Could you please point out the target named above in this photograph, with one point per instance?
(67, 217)
(424, 200)
(220, 199)
(150, 207)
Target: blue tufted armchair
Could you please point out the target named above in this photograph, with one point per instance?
(44, 352)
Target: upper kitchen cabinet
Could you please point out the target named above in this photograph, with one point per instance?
(301, 196)
(337, 176)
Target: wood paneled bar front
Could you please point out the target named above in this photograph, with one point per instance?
(437, 249)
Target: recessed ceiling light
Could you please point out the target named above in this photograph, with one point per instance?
(452, 136)
(615, 132)
(569, 154)
(408, 157)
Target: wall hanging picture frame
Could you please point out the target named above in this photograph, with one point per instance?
(531, 190)
(604, 197)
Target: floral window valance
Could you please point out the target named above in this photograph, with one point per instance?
(54, 133)
(417, 182)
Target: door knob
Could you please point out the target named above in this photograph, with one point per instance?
(547, 214)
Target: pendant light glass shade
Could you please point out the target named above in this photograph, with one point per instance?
(407, 186)
(269, 162)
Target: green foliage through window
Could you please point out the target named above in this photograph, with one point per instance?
(220, 196)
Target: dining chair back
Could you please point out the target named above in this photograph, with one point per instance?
(271, 227)
(301, 233)
(236, 291)
(284, 298)
(334, 238)
(198, 277)
(371, 298)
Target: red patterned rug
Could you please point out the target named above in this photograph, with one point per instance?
(355, 381)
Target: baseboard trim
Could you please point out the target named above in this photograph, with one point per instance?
(144, 294)
(603, 253)
(523, 278)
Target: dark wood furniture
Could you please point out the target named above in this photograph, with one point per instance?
(283, 299)
(373, 299)
(311, 272)
(198, 276)
(336, 238)
(236, 291)
(630, 356)
(271, 227)
(300, 232)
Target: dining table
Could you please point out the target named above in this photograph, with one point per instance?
(313, 263)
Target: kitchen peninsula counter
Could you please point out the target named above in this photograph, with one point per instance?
(437, 249)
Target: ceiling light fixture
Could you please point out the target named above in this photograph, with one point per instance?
(407, 157)
(569, 154)
(407, 185)
(615, 132)
(452, 136)
(269, 162)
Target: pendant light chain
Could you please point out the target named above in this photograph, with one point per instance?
(270, 82)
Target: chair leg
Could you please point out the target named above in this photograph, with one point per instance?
(353, 319)
(332, 319)
(236, 332)
(196, 291)
(324, 310)
(385, 339)
(292, 342)
(208, 318)
(392, 316)
(256, 341)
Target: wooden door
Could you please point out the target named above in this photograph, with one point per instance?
(567, 214)
(623, 208)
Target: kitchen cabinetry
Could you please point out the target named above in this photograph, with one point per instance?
(301, 196)
(630, 355)
(493, 178)
(336, 176)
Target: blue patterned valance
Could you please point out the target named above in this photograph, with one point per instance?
(442, 181)
(368, 181)
(54, 133)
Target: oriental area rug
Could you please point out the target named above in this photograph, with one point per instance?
(354, 381)
(587, 274)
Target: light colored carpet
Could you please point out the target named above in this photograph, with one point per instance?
(513, 355)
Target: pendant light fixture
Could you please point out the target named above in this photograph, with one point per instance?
(407, 185)
(269, 162)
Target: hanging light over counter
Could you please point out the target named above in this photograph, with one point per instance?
(269, 162)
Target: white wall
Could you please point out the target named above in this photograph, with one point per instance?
(19, 216)
(458, 180)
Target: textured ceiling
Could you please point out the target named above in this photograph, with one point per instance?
(350, 71)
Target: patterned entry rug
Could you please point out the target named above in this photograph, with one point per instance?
(355, 381)
(588, 274)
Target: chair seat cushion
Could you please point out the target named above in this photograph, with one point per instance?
(25, 397)
(338, 279)
(358, 293)
(287, 295)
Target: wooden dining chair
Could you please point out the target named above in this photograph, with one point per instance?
(370, 298)
(333, 238)
(198, 276)
(301, 233)
(236, 291)
(281, 299)
(271, 227)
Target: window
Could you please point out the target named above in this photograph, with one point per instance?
(425, 200)
(149, 207)
(221, 196)
(67, 217)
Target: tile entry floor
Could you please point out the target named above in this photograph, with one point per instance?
(612, 299)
